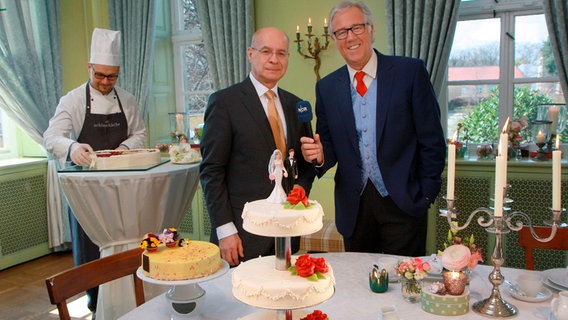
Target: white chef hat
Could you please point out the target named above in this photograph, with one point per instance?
(105, 47)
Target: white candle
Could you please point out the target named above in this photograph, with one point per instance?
(325, 22)
(503, 147)
(500, 176)
(309, 22)
(540, 137)
(451, 170)
(553, 116)
(556, 176)
(179, 124)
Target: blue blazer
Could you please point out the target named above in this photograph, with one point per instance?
(410, 141)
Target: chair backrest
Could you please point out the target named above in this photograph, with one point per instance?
(67, 284)
(529, 243)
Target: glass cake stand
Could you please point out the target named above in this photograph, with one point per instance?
(185, 297)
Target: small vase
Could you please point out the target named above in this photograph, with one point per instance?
(172, 244)
(411, 289)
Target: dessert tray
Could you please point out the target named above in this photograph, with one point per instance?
(78, 168)
(185, 297)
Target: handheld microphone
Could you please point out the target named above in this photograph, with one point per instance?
(304, 111)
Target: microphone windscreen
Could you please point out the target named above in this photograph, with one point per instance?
(304, 110)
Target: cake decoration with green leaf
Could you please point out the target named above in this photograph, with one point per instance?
(310, 268)
(297, 199)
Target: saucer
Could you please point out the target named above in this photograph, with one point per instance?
(543, 295)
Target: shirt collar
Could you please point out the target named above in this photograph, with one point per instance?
(260, 88)
(370, 68)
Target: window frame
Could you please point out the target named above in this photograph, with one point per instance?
(506, 11)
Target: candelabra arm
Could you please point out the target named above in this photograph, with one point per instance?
(519, 224)
(450, 212)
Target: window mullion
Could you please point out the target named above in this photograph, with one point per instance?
(507, 63)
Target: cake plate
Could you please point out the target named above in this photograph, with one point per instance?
(185, 297)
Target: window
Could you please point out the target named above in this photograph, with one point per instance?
(500, 65)
(8, 147)
(194, 83)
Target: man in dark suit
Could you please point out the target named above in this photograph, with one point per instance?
(382, 129)
(291, 166)
(238, 142)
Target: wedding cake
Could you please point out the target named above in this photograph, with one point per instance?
(125, 159)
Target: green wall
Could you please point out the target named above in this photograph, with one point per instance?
(286, 15)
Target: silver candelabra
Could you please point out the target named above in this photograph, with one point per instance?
(495, 305)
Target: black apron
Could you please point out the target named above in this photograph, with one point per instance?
(103, 131)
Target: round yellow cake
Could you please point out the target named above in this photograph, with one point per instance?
(195, 260)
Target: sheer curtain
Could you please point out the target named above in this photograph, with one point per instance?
(136, 20)
(556, 14)
(227, 27)
(423, 29)
(30, 85)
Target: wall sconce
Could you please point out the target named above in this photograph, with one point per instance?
(314, 46)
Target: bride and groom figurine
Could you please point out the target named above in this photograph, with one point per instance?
(276, 172)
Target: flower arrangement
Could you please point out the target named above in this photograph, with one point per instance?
(316, 315)
(413, 268)
(297, 199)
(461, 149)
(452, 239)
(183, 153)
(150, 242)
(484, 151)
(515, 128)
(309, 268)
(169, 237)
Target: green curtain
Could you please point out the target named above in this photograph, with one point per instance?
(423, 29)
(136, 21)
(556, 14)
(30, 63)
(227, 27)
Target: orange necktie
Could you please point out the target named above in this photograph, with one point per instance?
(361, 87)
(275, 123)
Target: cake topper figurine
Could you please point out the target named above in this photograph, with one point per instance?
(275, 172)
(291, 166)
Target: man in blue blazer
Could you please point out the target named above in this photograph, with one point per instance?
(382, 129)
(238, 142)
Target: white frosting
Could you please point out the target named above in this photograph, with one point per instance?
(126, 159)
(272, 314)
(257, 283)
(272, 220)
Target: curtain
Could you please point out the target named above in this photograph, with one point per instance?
(136, 21)
(556, 14)
(423, 29)
(227, 27)
(30, 86)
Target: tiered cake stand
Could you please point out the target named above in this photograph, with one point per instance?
(283, 250)
(185, 297)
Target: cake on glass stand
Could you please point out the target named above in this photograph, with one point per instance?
(269, 282)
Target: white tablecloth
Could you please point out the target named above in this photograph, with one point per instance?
(116, 208)
(353, 298)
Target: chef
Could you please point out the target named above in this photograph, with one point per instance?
(95, 116)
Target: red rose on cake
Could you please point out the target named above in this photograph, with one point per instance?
(316, 315)
(297, 199)
(310, 268)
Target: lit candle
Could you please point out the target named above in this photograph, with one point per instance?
(556, 176)
(553, 116)
(540, 137)
(325, 30)
(451, 170)
(179, 124)
(297, 32)
(503, 147)
(309, 26)
(501, 170)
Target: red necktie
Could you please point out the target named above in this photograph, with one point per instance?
(361, 87)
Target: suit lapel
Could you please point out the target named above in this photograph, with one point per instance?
(251, 102)
(385, 78)
(345, 106)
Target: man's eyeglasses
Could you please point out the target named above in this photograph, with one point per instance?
(280, 54)
(101, 76)
(356, 29)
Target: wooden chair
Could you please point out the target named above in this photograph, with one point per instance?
(528, 243)
(67, 284)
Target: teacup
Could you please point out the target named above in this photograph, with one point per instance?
(530, 283)
(390, 264)
(559, 306)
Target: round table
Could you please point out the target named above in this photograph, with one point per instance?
(116, 208)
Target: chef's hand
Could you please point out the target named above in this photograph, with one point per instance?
(231, 249)
(81, 153)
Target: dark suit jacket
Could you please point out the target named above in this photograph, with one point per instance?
(410, 141)
(236, 148)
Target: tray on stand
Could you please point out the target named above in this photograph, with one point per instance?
(185, 297)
